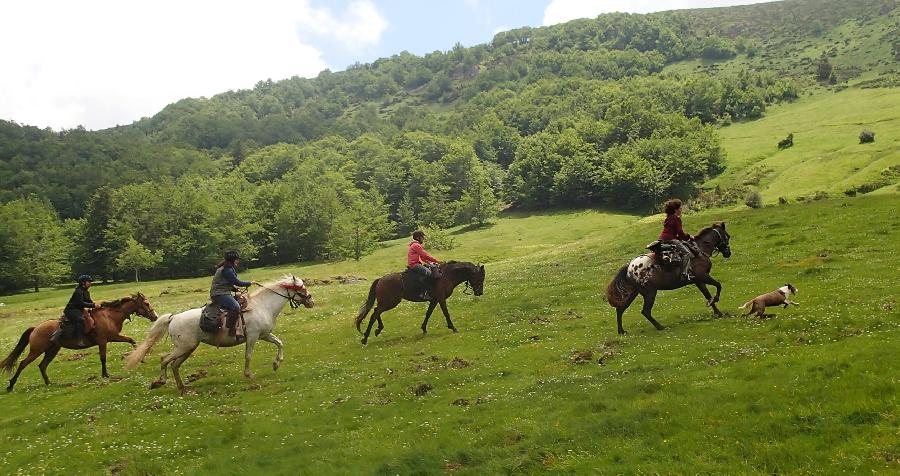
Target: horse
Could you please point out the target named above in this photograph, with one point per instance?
(108, 321)
(183, 328)
(389, 291)
(643, 276)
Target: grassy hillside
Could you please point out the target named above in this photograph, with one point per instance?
(826, 156)
(520, 387)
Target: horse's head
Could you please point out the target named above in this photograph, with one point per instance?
(722, 239)
(144, 308)
(476, 279)
(296, 291)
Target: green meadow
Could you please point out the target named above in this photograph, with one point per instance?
(827, 157)
(537, 380)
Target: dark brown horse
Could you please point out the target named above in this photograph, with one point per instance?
(389, 291)
(108, 320)
(644, 276)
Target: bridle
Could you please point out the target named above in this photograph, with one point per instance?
(722, 242)
(292, 298)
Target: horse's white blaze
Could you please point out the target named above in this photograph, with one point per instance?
(640, 269)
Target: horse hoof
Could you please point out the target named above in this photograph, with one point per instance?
(454, 329)
(156, 385)
(378, 331)
(364, 341)
(275, 366)
(9, 389)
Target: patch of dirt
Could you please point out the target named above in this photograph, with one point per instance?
(605, 357)
(117, 468)
(231, 411)
(581, 356)
(339, 400)
(535, 337)
(458, 363)
(379, 401)
(76, 356)
(452, 466)
(570, 314)
(421, 389)
(202, 373)
(348, 279)
(460, 402)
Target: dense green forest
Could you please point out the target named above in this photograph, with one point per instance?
(618, 111)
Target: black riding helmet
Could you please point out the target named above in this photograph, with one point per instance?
(232, 255)
(85, 277)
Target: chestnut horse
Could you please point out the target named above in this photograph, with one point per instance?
(388, 290)
(645, 277)
(108, 321)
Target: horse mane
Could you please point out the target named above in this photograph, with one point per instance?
(270, 284)
(116, 303)
(709, 229)
(451, 266)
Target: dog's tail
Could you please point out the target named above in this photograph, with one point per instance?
(746, 304)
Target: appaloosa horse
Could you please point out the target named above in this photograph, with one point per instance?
(108, 320)
(389, 291)
(644, 276)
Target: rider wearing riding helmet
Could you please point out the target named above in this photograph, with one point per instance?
(223, 286)
(77, 305)
(674, 233)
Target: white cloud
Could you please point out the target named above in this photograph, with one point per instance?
(100, 63)
(561, 11)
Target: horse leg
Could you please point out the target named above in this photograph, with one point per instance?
(176, 364)
(649, 299)
(621, 310)
(101, 345)
(48, 357)
(447, 316)
(376, 316)
(279, 356)
(123, 338)
(431, 306)
(248, 354)
(380, 326)
(710, 301)
(27, 360)
(164, 362)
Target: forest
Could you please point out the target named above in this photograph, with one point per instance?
(593, 112)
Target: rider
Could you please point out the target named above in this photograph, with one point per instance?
(75, 308)
(419, 260)
(674, 233)
(223, 284)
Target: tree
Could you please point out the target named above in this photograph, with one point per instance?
(824, 69)
(136, 256)
(361, 226)
(478, 203)
(406, 215)
(34, 247)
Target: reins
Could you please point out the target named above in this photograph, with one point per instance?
(291, 299)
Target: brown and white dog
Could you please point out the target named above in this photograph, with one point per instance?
(778, 297)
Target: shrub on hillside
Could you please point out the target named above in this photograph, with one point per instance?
(718, 197)
(753, 200)
(866, 136)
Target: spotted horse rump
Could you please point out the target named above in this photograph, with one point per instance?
(641, 269)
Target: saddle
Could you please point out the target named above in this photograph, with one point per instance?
(67, 330)
(212, 317)
(416, 284)
(669, 254)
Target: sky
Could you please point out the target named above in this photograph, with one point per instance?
(102, 63)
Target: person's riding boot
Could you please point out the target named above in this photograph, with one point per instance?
(231, 322)
(686, 272)
(79, 334)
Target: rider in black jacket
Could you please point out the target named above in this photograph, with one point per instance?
(80, 300)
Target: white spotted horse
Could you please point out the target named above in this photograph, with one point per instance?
(645, 276)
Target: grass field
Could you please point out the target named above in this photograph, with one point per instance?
(520, 388)
(826, 156)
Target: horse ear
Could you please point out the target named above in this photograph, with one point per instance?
(723, 225)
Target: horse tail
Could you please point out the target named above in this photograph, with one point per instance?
(10, 360)
(620, 289)
(158, 330)
(367, 306)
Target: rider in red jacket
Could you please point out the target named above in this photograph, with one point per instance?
(674, 233)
